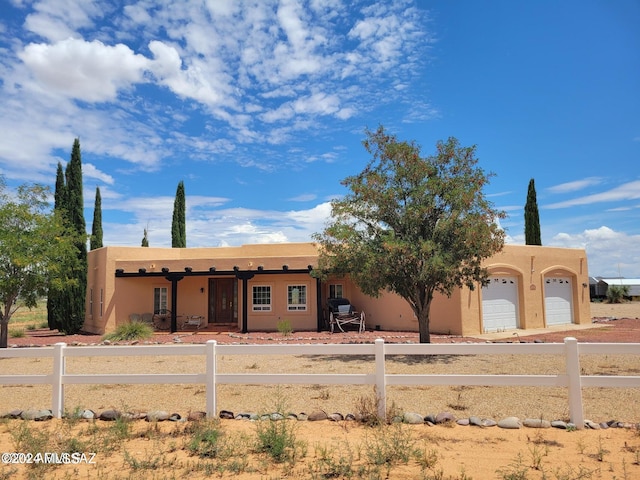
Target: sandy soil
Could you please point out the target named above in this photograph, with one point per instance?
(345, 450)
(456, 452)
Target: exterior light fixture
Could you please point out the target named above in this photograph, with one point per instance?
(142, 270)
(165, 269)
(188, 269)
(285, 267)
(212, 269)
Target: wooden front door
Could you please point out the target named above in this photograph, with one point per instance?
(222, 304)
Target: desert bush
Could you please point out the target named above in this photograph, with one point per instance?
(616, 293)
(284, 327)
(130, 331)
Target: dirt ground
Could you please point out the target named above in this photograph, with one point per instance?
(345, 449)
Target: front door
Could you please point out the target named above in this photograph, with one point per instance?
(222, 305)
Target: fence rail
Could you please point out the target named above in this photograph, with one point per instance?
(570, 379)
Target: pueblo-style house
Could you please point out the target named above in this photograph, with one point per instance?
(254, 287)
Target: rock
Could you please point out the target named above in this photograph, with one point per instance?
(316, 416)
(430, 419)
(109, 415)
(196, 416)
(276, 416)
(412, 418)
(571, 426)
(37, 415)
(350, 417)
(106, 342)
(175, 417)
(488, 422)
(591, 425)
(303, 417)
(226, 414)
(336, 417)
(157, 416)
(444, 417)
(476, 421)
(87, 414)
(559, 424)
(512, 423)
(292, 416)
(13, 414)
(243, 416)
(536, 423)
(464, 422)
(604, 425)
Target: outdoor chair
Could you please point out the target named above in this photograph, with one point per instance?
(342, 314)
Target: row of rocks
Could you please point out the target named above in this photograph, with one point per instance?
(319, 415)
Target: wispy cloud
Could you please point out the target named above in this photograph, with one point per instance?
(626, 191)
(575, 185)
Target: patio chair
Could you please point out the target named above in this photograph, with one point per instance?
(193, 321)
(134, 317)
(343, 314)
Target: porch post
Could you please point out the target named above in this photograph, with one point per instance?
(174, 279)
(245, 277)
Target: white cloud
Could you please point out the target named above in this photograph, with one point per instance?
(90, 171)
(89, 71)
(609, 252)
(575, 185)
(626, 191)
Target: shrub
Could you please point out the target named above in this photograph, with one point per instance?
(16, 333)
(130, 331)
(284, 327)
(616, 293)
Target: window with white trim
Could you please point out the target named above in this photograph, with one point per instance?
(296, 297)
(335, 290)
(261, 298)
(159, 299)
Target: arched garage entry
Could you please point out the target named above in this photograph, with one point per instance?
(500, 303)
(558, 299)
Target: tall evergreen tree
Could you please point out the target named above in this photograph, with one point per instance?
(145, 239)
(55, 296)
(531, 217)
(96, 229)
(75, 212)
(179, 225)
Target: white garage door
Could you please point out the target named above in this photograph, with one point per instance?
(500, 304)
(558, 302)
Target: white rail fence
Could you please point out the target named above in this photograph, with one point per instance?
(570, 379)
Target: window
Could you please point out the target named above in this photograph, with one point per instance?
(262, 298)
(297, 297)
(159, 299)
(91, 302)
(101, 302)
(335, 290)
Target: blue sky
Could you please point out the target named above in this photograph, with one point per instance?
(260, 108)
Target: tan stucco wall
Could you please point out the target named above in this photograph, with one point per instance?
(459, 315)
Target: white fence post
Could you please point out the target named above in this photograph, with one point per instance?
(572, 358)
(57, 387)
(211, 378)
(381, 379)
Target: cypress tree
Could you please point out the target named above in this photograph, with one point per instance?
(96, 229)
(178, 224)
(531, 217)
(55, 295)
(75, 214)
(145, 239)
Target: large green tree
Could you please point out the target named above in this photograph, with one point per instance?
(33, 247)
(96, 228)
(179, 223)
(75, 214)
(56, 297)
(66, 305)
(413, 225)
(532, 217)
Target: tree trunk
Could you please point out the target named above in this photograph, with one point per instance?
(423, 325)
(4, 333)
